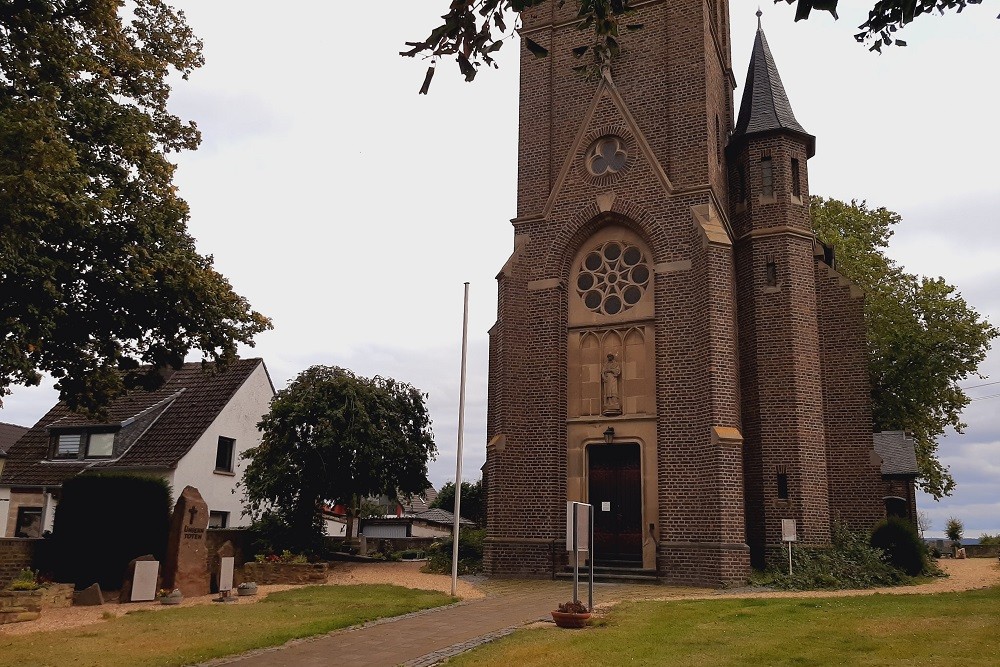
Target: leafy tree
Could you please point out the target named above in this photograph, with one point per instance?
(333, 436)
(953, 530)
(923, 338)
(473, 503)
(97, 270)
(474, 30)
(988, 540)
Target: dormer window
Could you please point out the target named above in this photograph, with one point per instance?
(84, 445)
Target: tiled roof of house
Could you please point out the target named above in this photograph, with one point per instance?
(9, 434)
(898, 452)
(166, 423)
(438, 515)
(765, 106)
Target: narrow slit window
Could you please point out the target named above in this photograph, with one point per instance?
(771, 272)
(796, 184)
(782, 482)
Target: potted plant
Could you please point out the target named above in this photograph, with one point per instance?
(571, 615)
(167, 596)
(247, 588)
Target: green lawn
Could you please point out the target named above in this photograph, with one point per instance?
(943, 629)
(195, 634)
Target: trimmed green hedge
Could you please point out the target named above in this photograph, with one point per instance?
(103, 521)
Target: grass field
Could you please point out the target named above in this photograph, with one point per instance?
(194, 634)
(942, 629)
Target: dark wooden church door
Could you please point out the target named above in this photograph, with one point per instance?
(616, 494)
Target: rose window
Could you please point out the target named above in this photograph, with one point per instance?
(613, 277)
(606, 156)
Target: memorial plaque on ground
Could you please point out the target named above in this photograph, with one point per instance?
(144, 580)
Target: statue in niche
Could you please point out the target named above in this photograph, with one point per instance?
(611, 372)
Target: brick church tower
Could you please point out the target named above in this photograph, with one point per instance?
(671, 344)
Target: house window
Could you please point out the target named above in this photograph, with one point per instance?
(68, 445)
(84, 445)
(218, 519)
(29, 522)
(766, 178)
(224, 455)
(100, 445)
(796, 184)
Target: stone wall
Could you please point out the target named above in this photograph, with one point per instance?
(285, 573)
(981, 551)
(16, 554)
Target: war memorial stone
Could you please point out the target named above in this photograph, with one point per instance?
(187, 554)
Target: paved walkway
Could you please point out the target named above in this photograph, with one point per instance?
(427, 637)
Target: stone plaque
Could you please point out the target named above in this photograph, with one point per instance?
(144, 580)
(187, 566)
(226, 574)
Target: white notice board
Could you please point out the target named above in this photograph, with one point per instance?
(788, 530)
(582, 526)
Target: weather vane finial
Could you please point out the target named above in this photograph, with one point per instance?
(759, 14)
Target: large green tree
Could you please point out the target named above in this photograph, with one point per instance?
(98, 273)
(472, 504)
(332, 436)
(923, 338)
(472, 31)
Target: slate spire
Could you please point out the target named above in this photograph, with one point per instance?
(765, 107)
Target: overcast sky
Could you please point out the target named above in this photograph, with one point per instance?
(351, 210)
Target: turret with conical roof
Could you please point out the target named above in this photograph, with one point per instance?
(765, 107)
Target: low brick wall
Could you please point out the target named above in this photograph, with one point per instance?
(16, 554)
(285, 573)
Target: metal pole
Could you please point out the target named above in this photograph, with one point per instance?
(461, 432)
(576, 556)
(590, 554)
(789, 559)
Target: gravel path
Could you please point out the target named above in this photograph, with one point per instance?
(966, 574)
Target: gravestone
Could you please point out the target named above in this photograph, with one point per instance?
(187, 552)
(125, 595)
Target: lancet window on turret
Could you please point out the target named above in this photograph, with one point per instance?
(796, 180)
(766, 177)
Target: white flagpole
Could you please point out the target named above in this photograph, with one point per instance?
(461, 432)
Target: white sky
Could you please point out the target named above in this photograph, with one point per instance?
(351, 210)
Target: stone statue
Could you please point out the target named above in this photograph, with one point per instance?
(611, 372)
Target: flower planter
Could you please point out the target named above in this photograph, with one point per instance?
(246, 589)
(174, 597)
(570, 619)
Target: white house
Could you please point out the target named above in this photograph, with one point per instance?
(191, 431)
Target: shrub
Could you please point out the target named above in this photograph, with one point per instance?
(103, 521)
(24, 581)
(903, 548)
(850, 562)
(470, 553)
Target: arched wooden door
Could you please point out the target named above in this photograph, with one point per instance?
(615, 491)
